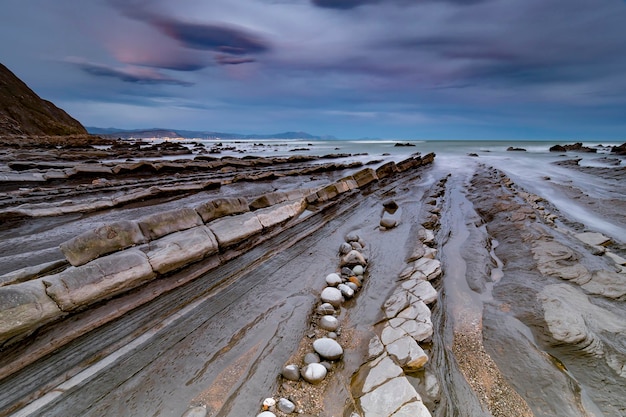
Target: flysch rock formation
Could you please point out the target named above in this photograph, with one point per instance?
(117, 257)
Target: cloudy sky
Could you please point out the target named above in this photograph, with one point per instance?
(412, 69)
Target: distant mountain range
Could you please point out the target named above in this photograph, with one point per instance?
(192, 134)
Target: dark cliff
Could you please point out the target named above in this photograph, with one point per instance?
(23, 112)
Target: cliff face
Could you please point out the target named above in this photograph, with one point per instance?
(22, 112)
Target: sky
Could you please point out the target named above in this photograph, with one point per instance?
(410, 69)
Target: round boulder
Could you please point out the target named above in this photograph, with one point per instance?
(291, 372)
(286, 406)
(332, 280)
(358, 270)
(314, 373)
(325, 308)
(328, 348)
(332, 296)
(329, 323)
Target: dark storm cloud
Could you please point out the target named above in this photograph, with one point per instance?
(131, 75)
(214, 37)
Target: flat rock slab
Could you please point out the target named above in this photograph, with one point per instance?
(233, 229)
(377, 373)
(277, 214)
(181, 248)
(102, 241)
(157, 225)
(24, 307)
(593, 238)
(99, 279)
(388, 398)
(221, 207)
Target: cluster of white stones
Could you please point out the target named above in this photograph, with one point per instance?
(340, 287)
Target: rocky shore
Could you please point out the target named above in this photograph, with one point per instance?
(196, 285)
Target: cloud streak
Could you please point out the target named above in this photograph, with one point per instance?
(129, 74)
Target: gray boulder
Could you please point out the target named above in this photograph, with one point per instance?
(332, 280)
(328, 348)
(314, 373)
(286, 406)
(291, 372)
(101, 241)
(329, 323)
(332, 296)
(325, 308)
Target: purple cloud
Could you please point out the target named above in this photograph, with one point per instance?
(130, 75)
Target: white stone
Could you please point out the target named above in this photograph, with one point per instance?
(328, 348)
(269, 402)
(332, 296)
(314, 373)
(266, 414)
(332, 280)
(358, 270)
(329, 323)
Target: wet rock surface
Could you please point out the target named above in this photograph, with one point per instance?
(483, 299)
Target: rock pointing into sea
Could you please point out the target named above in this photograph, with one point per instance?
(328, 348)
